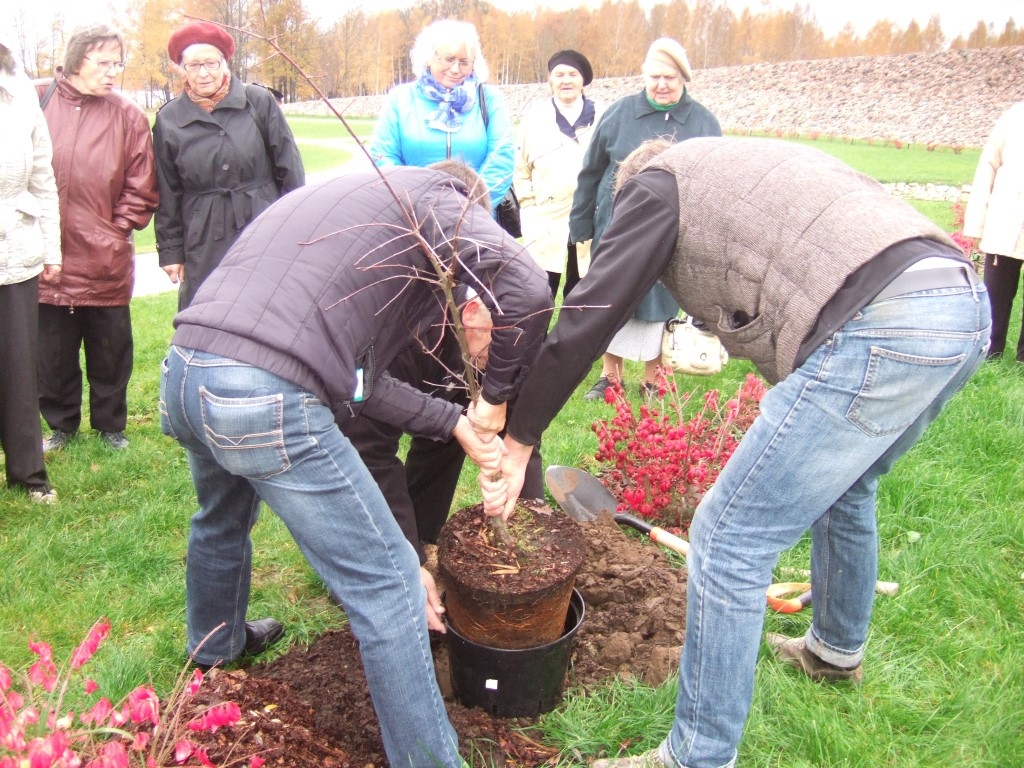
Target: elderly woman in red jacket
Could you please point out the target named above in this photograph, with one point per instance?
(103, 161)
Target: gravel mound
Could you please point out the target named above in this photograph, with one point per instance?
(951, 99)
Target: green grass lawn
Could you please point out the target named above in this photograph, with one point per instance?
(944, 672)
(913, 163)
(309, 127)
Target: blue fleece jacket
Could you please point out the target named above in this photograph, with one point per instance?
(402, 137)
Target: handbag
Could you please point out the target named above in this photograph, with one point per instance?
(508, 208)
(688, 349)
(508, 214)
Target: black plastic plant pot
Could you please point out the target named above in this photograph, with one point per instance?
(513, 683)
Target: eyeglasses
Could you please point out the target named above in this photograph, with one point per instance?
(450, 61)
(209, 66)
(107, 66)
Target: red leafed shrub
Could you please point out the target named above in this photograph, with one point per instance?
(659, 462)
(142, 732)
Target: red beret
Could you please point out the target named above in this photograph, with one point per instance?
(200, 32)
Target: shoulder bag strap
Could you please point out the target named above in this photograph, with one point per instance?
(259, 123)
(483, 102)
(45, 98)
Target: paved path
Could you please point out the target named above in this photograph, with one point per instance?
(149, 278)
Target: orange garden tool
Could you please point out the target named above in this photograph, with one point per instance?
(780, 595)
(780, 603)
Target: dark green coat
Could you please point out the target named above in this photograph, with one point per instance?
(216, 174)
(627, 124)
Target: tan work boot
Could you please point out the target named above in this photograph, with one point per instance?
(793, 651)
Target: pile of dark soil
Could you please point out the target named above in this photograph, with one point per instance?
(311, 707)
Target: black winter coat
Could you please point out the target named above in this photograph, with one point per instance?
(216, 174)
(330, 284)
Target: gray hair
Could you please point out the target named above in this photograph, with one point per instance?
(448, 31)
(474, 184)
(638, 158)
(86, 38)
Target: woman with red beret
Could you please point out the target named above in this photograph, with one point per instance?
(224, 153)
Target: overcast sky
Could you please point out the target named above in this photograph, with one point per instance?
(958, 16)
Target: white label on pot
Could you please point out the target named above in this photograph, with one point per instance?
(491, 684)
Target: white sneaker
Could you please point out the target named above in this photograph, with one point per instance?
(649, 759)
(44, 497)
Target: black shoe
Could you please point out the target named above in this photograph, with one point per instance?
(596, 392)
(57, 440)
(649, 390)
(261, 634)
(114, 440)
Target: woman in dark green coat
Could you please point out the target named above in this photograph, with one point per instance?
(662, 110)
(224, 153)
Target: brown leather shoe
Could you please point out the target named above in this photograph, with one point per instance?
(793, 651)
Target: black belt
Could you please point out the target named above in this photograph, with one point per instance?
(924, 280)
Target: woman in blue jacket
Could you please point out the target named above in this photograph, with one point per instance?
(440, 115)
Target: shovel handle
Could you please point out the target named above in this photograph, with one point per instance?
(655, 534)
(669, 541)
(887, 588)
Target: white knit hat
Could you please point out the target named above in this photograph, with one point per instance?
(665, 50)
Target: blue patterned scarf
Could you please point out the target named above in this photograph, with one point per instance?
(452, 103)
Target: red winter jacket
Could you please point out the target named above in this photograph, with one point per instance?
(106, 180)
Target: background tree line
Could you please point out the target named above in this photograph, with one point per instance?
(366, 53)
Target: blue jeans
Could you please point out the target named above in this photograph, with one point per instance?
(251, 435)
(812, 459)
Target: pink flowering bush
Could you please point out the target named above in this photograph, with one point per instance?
(659, 462)
(142, 732)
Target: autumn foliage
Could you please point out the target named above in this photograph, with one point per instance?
(361, 52)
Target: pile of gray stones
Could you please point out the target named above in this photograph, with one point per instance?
(944, 101)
